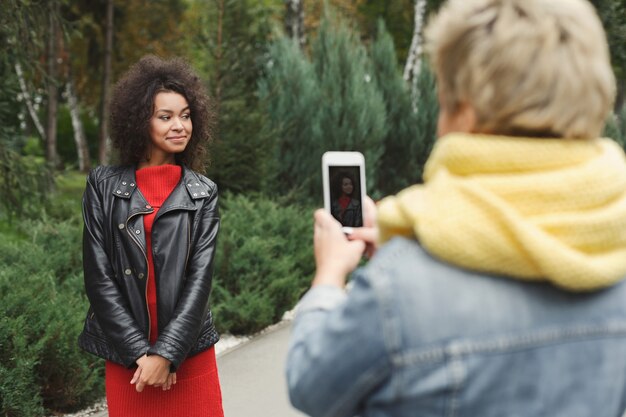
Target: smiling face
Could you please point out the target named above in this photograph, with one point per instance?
(170, 128)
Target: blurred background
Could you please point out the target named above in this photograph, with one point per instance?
(289, 79)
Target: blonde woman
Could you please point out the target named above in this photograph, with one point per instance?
(498, 289)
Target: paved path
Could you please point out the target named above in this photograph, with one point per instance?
(252, 377)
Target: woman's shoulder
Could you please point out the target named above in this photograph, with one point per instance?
(103, 172)
(191, 178)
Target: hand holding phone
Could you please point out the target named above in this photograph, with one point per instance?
(343, 175)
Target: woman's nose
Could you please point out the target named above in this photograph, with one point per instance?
(177, 124)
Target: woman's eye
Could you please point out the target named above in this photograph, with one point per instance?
(186, 116)
(166, 118)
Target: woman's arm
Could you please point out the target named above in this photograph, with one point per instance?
(110, 307)
(337, 355)
(179, 335)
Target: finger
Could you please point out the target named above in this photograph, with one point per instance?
(370, 211)
(136, 376)
(174, 378)
(327, 224)
(366, 234)
(140, 385)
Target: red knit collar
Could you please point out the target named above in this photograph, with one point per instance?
(157, 182)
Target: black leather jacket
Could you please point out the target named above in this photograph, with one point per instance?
(115, 266)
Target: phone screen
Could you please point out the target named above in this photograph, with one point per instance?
(345, 195)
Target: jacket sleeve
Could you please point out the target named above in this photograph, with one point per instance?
(110, 307)
(337, 355)
(178, 337)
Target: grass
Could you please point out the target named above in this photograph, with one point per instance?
(69, 190)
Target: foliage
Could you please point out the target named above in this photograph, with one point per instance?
(616, 127)
(24, 184)
(613, 16)
(329, 102)
(42, 311)
(344, 99)
(398, 16)
(22, 28)
(263, 264)
(227, 45)
(139, 29)
(410, 133)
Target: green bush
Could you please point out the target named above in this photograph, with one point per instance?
(41, 315)
(25, 182)
(264, 262)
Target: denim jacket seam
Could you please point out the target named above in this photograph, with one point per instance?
(504, 343)
(457, 374)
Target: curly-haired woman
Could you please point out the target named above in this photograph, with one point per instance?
(151, 225)
(345, 207)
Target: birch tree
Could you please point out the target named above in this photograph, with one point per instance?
(413, 61)
(51, 126)
(82, 149)
(294, 21)
(29, 101)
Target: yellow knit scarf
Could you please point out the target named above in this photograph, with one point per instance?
(533, 209)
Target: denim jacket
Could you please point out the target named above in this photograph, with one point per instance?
(418, 337)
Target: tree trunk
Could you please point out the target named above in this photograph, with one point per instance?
(294, 21)
(84, 163)
(29, 102)
(51, 127)
(103, 141)
(413, 61)
(219, 55)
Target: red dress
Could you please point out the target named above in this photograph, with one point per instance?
(197, 390)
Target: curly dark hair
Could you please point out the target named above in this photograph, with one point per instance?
(338, 180)
(132, 106)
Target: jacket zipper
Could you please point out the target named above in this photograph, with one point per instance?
(145, 256)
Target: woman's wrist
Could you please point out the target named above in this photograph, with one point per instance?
(329, 278)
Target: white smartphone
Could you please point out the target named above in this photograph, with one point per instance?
(343, 176)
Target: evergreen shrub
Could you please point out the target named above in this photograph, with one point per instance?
(264, 262)
(345, 97)
(328, 101)
(412, 129)
(25, 182)
(42, 310)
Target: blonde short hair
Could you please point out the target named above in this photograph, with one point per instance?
(527, 67)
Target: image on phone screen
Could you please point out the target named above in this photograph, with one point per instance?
(345, 195)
